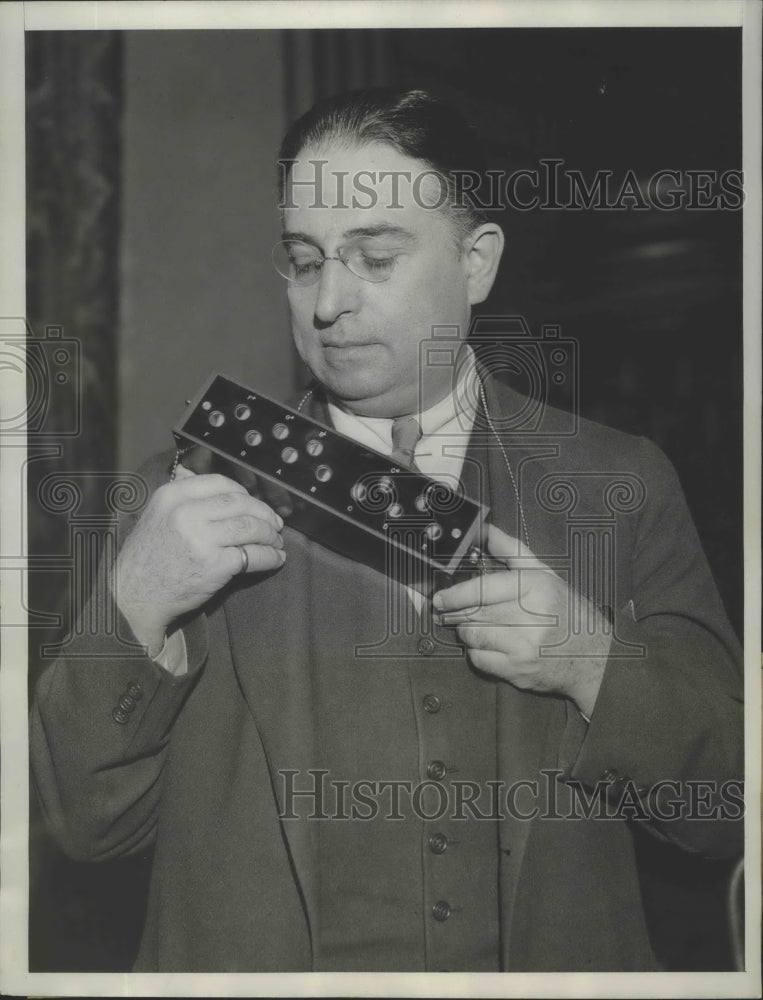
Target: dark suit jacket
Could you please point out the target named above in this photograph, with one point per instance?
(194, 767)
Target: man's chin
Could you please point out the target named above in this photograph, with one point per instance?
(367, 398)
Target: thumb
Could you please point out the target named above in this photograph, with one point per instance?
(181, 472)
(511, 551)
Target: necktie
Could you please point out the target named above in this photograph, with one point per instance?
(406, 434)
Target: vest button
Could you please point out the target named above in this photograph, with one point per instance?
(126, 703)
(438, 843)
(436, 770)
(120, 716)
(426, 646)
(441, 910)
(432, 703)
(135, 690)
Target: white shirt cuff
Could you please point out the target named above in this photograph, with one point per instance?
(173, 655)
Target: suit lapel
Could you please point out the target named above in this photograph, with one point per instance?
(275, 660)
(271, 657)
(528, 727)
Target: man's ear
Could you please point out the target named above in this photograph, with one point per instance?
(482, 249)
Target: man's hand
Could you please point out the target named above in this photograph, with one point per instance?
(505, 617)
(184, 549)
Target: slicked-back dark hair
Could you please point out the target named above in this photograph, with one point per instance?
(414, 122)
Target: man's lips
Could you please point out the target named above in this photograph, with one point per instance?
(340, 344)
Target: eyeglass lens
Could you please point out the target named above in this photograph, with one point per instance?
(302, 263)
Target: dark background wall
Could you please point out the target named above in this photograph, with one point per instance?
(151, 216)
(203, 116)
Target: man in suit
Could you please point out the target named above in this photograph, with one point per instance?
(325, 792)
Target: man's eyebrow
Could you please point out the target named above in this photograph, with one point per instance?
(380, 229)
(302, 237)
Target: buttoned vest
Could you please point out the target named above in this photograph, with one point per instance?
(407, 839)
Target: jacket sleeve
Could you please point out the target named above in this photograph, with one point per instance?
(100, 729)
(666, 735)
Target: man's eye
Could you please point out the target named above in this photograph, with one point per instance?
(377, 264)
(303, 266)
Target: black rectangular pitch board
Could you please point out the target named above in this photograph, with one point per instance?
(345, 496)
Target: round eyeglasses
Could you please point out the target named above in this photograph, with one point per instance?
(302, 263)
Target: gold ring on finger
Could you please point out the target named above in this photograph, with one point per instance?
(244, 558)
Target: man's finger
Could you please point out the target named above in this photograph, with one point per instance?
(508, 613)
(272, 494)
(490, 662)
(245, 530)
(223, 506)
(259, 558)
(197, 487)
(514, 554)
(487, 588)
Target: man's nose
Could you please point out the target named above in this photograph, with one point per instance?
(338, 291)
